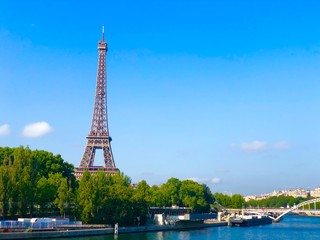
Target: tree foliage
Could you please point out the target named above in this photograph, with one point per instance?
(234, 201)
(276, 202)
(194, 195)
(186, 193)
(38, 183)
(237, 201)
(29, 181)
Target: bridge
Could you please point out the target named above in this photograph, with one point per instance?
(314, 201)
(283, 211)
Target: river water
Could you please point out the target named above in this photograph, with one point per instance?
(291, 228)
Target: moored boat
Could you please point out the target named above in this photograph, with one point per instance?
(249, 220)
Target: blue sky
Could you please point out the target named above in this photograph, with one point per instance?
(223, 92)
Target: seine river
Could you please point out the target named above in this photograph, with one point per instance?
(291, 228)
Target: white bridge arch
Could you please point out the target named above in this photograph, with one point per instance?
(296, 207)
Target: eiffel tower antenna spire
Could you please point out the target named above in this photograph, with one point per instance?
(102, 32)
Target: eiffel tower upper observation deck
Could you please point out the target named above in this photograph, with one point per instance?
(99, 137)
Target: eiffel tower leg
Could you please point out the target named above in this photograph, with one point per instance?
(88, 156)
(108, 158)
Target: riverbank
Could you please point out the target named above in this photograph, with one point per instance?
(107, 231)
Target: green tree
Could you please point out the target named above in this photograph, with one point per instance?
(223, 199)
(193, 195)
(156, 197)
(119, 205)
(170, 192)
(5, 186)
(100, 195)
(20, 174)
(85, 197)
(49, 163)
(64, 195)
(25, 184)
(276, 202)
(141, 199)
(45, 194)
(6, 153)
(208, 194)
(237, 201)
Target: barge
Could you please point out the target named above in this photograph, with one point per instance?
(249, 220)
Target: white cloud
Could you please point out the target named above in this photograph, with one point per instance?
(214, 180)
(259, 146)
(37, 129)
(4, 130)
(254, 146)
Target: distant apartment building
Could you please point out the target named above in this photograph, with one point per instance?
(315, 193)
(300, 192)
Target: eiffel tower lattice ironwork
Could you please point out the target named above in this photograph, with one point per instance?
(98, 137)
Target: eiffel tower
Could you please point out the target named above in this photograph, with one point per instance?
(98, 137)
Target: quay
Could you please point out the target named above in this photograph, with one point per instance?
(108, 231)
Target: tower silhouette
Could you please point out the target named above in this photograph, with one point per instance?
(99, 137)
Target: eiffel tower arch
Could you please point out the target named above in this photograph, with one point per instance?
(99, 138)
